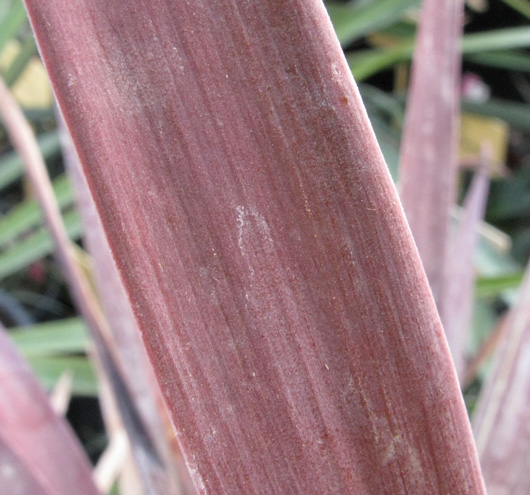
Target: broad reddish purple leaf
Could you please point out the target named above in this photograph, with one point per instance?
(39, 454)
(427, 174)
(262, 245)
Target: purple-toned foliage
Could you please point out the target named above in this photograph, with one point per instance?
(262, 246)
(427, 174)
(460, 275)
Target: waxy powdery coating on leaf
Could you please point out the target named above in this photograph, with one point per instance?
(261, 242)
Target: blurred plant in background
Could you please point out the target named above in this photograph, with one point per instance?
(378, 39)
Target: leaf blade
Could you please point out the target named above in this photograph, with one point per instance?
(254, 259)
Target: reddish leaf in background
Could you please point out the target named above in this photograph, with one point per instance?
(262, 245)
(427, 173)
(458, 300)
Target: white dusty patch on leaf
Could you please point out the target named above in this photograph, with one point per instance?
(253, 236)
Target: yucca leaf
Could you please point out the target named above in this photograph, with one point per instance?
(145, 394)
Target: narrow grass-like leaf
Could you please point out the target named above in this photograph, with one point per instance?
(510, 60)
(27, 51)
(351, 21)
(12, 22)
(261, 242)
(515, 114)
(367, 63)
(499, 39)
(500, 421)
(484, 47)
(57, 337)
(27, 215)
(522, 6)
(49, 370)
(364, 64)
(427, 173)
(30, 430)
(492, 286)
(11, 168)
(36, 246)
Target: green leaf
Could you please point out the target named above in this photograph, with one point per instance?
(56, 337)
(11, 168)
(500, 39)
(493, 286)
(28, 215)
(36, 246)
(368, 62)
(46, 346)
(11, 23)
(503, 59)
(27, 52)
(515, 114)
(522, 6)
(49, 370)
(352, 22)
